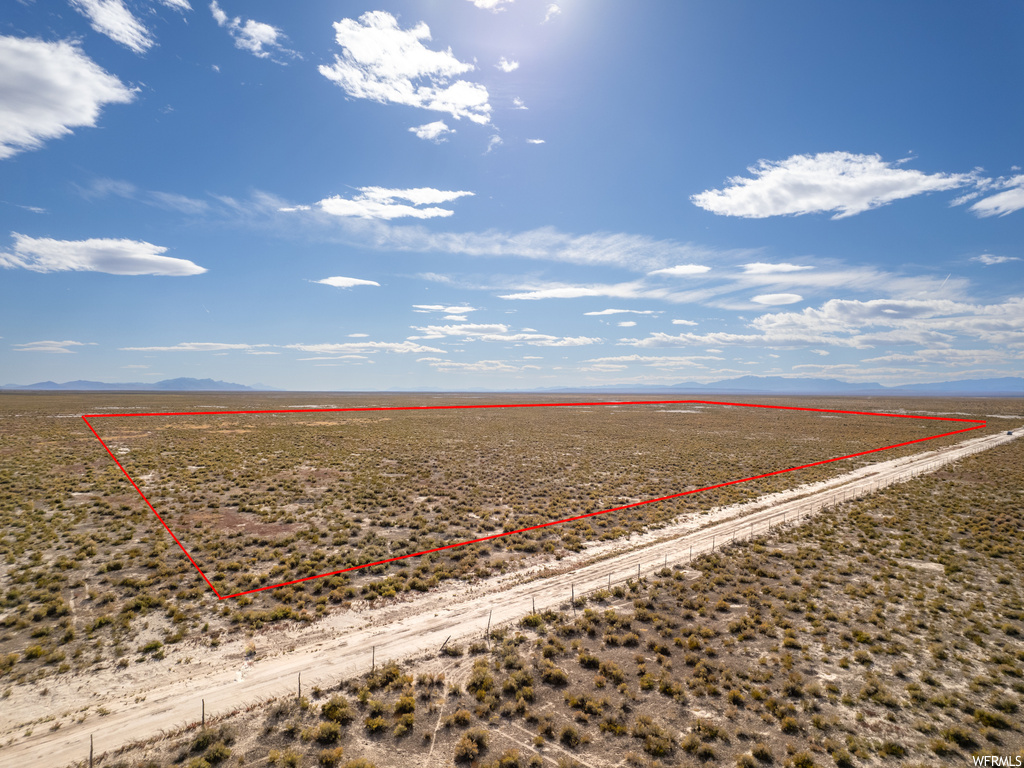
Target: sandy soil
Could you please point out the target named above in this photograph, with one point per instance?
(145, 700)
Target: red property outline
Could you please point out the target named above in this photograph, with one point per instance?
(86, 417)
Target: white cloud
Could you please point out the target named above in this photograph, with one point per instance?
(46, 89)
(345, 282)
(680, 270)
(494, 6)
(1002, 203)
(831, 181)
(178, 5)
(635, 252)
(507, 66)
(52, 347)
(774, 299)
(436, 132)
(683, 322)
(655, 361)
(822, 352)
(358, 335)
(379, 203)
(627, 323)
(625, 311)
(988, 259)
(551, 11)
(365, 347)
(930, 323)
(261, 40)
(563, 291)
(386, 64)
(761, 268)
(115, 257)
(113, 19)
(442, 308)
(498, 332)
(198, 346)
(517, 103)
(468, 329)
(494, 141)
(480, 366)
(535, 141)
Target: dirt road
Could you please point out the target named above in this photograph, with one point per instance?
(145, 700)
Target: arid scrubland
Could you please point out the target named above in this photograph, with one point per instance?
(90, 578)
(887, 631)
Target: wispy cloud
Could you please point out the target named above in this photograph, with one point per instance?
(761, 268)
(102, 187)
(682, 270)
(380, 203)
(506, 65)
(115, 257)
(366, 347)
(436, 132)
(113, 19)
(345, 282)
(200, 346)
(625, 311)
(51, 347)
(499, 332)
(551, 12)
(1002, 203)
(261, 40)
(58, 88)
(480, 366)
(444, 309)
(629, 251)
(831, 181)
(386, 64)
(670, 362)
(988, 259)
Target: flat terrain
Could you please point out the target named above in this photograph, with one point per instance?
(157, 688)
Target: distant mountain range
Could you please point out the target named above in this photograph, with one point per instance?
(167, 385)
(745, 385)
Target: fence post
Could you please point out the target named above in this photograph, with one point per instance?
(204, 713)
(90, 750)
(300, 686)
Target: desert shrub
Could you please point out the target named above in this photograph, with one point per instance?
(329, 758)
(762, 752)
(991, 719)
(327, 733)
(337, 710)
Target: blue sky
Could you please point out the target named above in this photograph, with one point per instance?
(508, 193)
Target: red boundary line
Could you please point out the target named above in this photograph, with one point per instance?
(980, 424)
